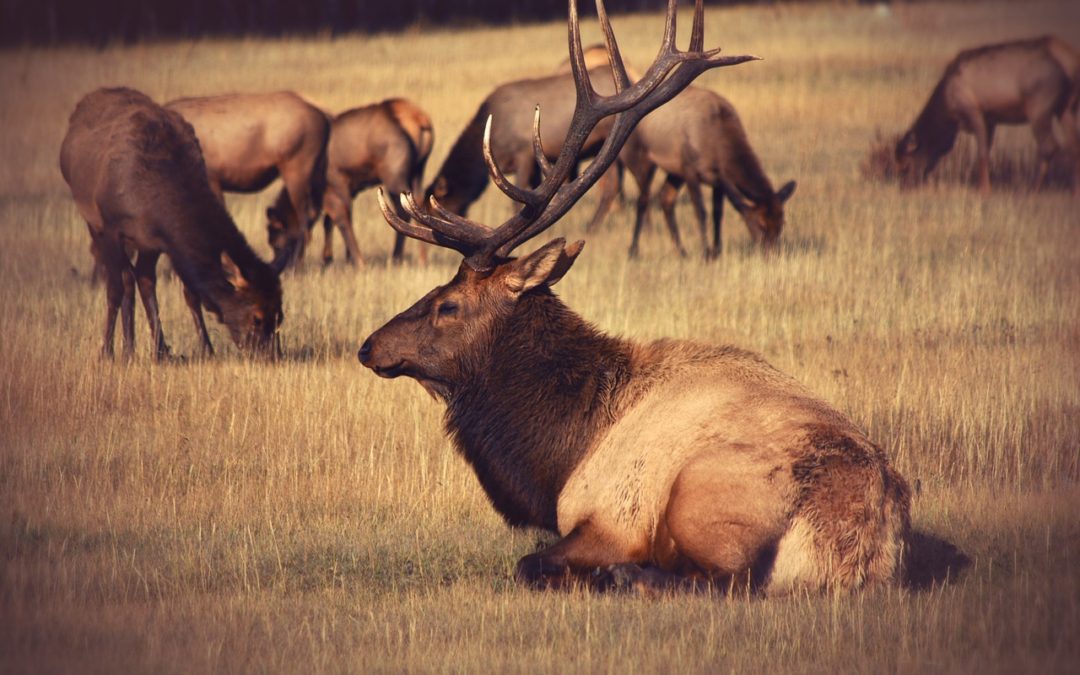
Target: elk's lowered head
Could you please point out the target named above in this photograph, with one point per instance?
(764, 215)
(443, 338)
(252, 311)
(918, 152)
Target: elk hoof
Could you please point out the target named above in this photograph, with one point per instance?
(539, 572)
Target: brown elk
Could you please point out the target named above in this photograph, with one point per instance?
(659, 462)
(386, 143)
(249, 140)
(698, 139)
(1027, 81)
(138, 179)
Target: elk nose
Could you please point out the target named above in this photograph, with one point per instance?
(365, 352)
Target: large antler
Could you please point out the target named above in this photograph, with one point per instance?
(671, 72)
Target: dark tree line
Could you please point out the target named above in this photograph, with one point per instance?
(104, 21)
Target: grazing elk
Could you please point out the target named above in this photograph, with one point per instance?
(698, 139)
(386, 143)
(138, 179)
(1028, 81)
(249, 140)
(660, 461)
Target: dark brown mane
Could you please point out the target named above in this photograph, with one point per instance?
(546, 360)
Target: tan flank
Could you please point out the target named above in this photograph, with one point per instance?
(249, 140)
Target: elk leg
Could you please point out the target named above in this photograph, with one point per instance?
(982, 142)
(1042, 127)
(114, 289)
(643, 176)
(339, 206)
(146, 279)
(668, 193)
(195, 306)
(298, 188)
(328, 240)
(694, 188)
(717, 522)
(577, 554)
(717, 219)
(610, 189)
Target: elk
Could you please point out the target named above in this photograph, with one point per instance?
(386, 143)
(249, 140)
(698, 139)
(1027, 81)
(659, 463)
(138, 179)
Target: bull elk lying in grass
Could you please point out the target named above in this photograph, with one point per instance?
(660, 463)
(698, 139)
(138, 179)
(1028, 81)
(248, 140)
(386, 143)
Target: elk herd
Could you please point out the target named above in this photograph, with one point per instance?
(661, 465)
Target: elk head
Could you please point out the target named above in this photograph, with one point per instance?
(764, 216)
(920, 149)
(441, 340)
(252, 311)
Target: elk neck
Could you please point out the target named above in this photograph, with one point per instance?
(935, 127)
(196, 256)
(464, 171)
(542, 389)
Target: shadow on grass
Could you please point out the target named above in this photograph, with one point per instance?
(931, 561)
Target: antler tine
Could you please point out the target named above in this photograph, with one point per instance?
(697, 33)
(538, 147)
(499, 178)
(458, 229)
(420, 232)
(618, 68)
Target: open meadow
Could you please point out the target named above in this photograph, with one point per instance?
(230, 515)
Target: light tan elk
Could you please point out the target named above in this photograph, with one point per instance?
(1028, 81)
(249, 140)
(698, 139)
(138, 179)
(386, 143)
(657, 462)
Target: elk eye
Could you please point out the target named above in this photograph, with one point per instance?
(448, 309)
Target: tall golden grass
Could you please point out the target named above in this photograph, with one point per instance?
(226, 515)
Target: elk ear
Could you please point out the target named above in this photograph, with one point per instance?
(545, 265)
(232, 272)
(786, 191)
(907, 145)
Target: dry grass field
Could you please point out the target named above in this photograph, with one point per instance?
(226, 515)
